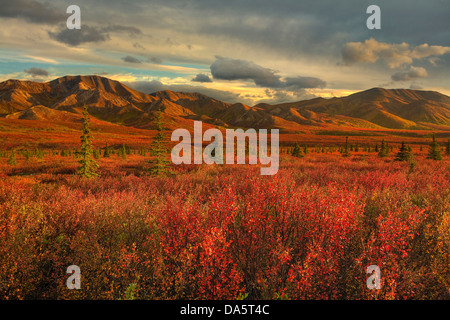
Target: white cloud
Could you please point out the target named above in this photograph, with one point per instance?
(394, 55)
(411, 74)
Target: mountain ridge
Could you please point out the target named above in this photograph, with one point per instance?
(110, 100)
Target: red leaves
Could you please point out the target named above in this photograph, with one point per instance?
(221, 232)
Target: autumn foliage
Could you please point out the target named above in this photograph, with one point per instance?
(226, 232)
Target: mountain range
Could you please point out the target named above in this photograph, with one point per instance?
(108, 100)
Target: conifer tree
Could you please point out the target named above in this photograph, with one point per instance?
(447, 149)
(39, 153)
(296, 151)
(88, 167)
(159, 149)
(404, 154)
(107, 152)
(123, 152)
(384, 149)
(346, 151)
(12, 159)
(434, 151)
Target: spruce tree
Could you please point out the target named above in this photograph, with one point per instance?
(404, 154)
(346, 152)
(96, 154)
(12, 159)
(296, 151)
(107, 152)
(384, 149)
(447, 149)
(88, 167)
(434, 151)
(159, 149)
(123, 152)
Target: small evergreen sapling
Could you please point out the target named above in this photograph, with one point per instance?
(434, 151)
(88, 167)
(404, 154)
(384, 149)
(159, 149)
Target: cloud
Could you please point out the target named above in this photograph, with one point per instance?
(154, 60)
(42, 59)
(151, 59)
(155, 85)
(276, 96)
(394, 55)
(137, 45)
(36, 72)
(425, 50)
(411, 74)
(301, 35)
(415, 86)
(119, 28)
(234, 69)
(75, 37)
(304, 83)
(31, 11)
(131, 59)
(201, 77)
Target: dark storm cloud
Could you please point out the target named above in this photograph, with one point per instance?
(32, 11)
(201, 77)
(36, 72)
(411, 74)
(235, 69)
(301, 31)
(285, 26)
(289, 25)
(131, 59)
(155, 85)
(75, 37)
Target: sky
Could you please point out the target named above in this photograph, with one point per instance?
(248, 51)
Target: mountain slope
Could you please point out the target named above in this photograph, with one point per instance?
(390, 108)
(112, 101)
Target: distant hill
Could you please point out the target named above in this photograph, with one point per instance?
(62, 99)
